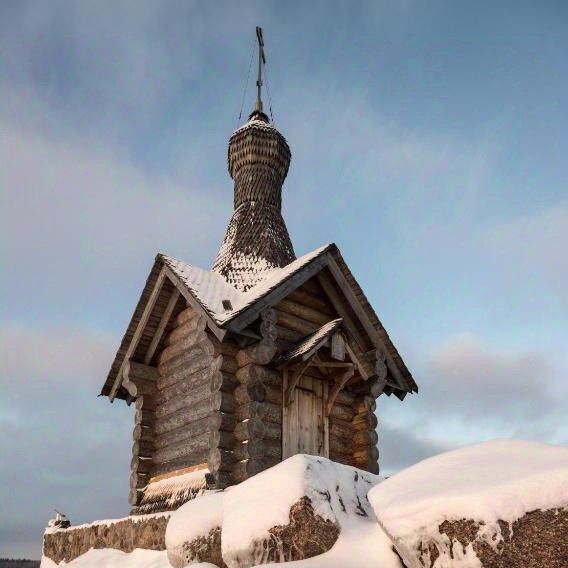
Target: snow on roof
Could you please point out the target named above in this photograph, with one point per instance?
(210, 289)
(497, 480)
(312, 342)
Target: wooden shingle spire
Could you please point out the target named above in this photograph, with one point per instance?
(256, 240)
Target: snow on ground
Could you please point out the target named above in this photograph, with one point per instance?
(112, 558)
(498, 480)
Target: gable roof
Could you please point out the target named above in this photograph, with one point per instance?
(207, 292)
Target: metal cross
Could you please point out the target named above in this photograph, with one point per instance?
(261, 61)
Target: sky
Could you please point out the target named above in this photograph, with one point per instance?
(429, 141)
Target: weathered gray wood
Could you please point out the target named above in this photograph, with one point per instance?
(191, 340)
(258, 449)
(368, 453)
(263, 410)
(143, 372)
(255, 428)
(296, 324)
(252, 391)
(185, 448)
(273, 394)
(182, 462)
(143, 448)
(185, 315)
(340, 382)
(192, 411)
(305, 313)
(258, 373)
(223, 381)
(342, 412)
(204, 361)
(310, 300)
(260, 353)
(141, 464)
(223, 402)
(341, 429)
(162, 326)
(144, 417)
(222, 421)
(220, 460)
(182, 331)
(134, 496)
(221, 439)
(142, 433)
(185, 431)
(288, 335)
(185, 355)
(139, 479)
(198, 383)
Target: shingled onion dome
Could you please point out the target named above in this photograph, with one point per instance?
(256, 240)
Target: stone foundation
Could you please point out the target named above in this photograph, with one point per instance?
(146, 531)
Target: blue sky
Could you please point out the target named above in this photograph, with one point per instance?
(429, 142)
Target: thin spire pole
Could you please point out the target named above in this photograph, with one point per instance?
(261, 61)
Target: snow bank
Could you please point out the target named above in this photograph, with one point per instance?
(488, 485)
(191, 531)
(112, 558)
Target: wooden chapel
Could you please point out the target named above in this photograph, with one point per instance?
(264, 356)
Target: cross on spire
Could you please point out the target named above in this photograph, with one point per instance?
(261, 62)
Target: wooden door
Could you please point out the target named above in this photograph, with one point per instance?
(304, 424)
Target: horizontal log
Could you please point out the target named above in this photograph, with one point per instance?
(141, 464)
(345, 397)
(219, 479)
(194, 366)
(139, 387)
(139, 479)
(375, 387)
(247, 468)
(222, 421)
(191, 412)
(192, 339)
(220, 460)
(221, 439)
(296, 324)
(185, 448)
(252, 391)
(186, 315)
(313, 287)
(258, 449)
(183, 400)
(288, 335)
(341, 429)
(365, 438)
(340, 445)
(365, 404)
(223, 402)
(342, 458)
(274, 394)
(139, 371)
(266, 411)
(182, 331)
(186, 356)
(228, 364)
(184, 432)
(369, 453)
(143, 448)
(181, 463)
(254, 428)
(226, 347)
(198, 383)
(258, 373)
(260, 353)
(342, 412)
(144, 417)
(135, 496)
(311, 301)
(142, 433)
(304, 312)
(365, 420)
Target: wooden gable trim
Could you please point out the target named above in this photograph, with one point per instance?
(138, 332)
(162, 326)
(367, 324)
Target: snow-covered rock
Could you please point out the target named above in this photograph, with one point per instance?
(193, 533)
(292, 511)
(500, 504)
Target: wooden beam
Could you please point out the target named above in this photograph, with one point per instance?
(320, 363)
(340, 382)
(138, 331)
(162, 326)
(355, 359)
(338, 304)
(362, 315)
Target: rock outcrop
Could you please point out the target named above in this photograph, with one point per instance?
(501, 504)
